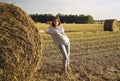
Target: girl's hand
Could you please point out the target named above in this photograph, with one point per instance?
(41, 31)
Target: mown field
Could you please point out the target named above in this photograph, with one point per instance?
(95, 55)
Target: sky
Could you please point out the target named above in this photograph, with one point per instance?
(98, 9)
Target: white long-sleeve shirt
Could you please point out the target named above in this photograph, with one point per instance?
(58, 35)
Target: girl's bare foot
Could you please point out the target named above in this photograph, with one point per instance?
(69, 68)
(66, 72)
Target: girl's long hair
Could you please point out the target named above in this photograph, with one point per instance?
(52, 24)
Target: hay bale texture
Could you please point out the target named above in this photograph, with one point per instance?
(111, 25)
(20, 45)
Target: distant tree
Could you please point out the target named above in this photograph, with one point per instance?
(89, 19)
(34, 17)
(45, 18)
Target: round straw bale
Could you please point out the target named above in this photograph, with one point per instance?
(20, 45)
(111, 25)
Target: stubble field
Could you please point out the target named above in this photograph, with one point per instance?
(95, 55)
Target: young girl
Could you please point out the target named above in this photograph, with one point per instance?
(61, 40)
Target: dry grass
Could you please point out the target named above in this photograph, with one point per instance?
(20, 45)
(94, 55)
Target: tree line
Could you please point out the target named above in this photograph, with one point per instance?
(79, 19)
